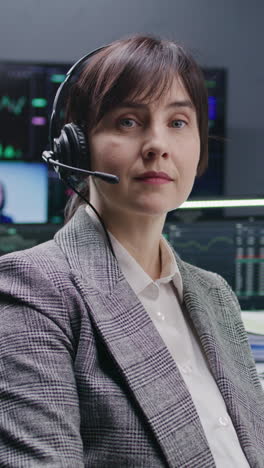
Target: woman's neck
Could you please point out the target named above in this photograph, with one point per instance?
(141, 238)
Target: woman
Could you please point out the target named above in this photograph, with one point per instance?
(115, 352)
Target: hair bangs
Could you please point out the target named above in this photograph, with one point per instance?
(142, 72)
(145, 78)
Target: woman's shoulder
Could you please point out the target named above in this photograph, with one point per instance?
(206, 280)
(45, 256)
(42, 267)
(39, 279)
(209, 279)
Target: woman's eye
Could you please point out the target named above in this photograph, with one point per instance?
(178, 123)
(127, 123)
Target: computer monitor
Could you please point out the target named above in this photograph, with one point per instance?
(232, 248)
(23, 192)
(211, 184)
(27, 91)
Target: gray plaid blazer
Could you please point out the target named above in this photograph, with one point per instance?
(86, 380)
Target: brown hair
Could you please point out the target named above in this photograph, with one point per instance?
(137, 67)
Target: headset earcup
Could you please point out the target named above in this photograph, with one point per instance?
(70, 147)
(81, 147)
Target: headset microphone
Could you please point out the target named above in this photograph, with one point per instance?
(110, 178)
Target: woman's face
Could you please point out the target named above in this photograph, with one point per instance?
(153, 148)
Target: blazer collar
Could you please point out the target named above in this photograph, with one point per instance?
(88, 253)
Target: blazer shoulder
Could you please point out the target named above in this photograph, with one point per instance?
(211, 281)
(211, 278)
(46, 257)
(39, 278)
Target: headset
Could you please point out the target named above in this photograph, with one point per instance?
(69, 152)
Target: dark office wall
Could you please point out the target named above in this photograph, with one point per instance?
(229, 33)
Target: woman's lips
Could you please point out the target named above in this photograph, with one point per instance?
(153, 177)
(153, 180)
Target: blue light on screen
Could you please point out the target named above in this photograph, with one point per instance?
(212, 108)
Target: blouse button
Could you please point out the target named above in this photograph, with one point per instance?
(160, 315)
(186, 369)
(223, 421)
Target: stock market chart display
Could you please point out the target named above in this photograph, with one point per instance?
(27, 93)
(235, 250)
(249, 262)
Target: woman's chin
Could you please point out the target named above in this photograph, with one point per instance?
(154, 209)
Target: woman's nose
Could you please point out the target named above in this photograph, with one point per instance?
(155, 145)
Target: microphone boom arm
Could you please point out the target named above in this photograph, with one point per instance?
(110, 178)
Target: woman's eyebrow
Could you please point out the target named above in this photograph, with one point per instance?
(140, 105)
(183, 103)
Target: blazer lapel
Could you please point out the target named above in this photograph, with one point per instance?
(135, 345)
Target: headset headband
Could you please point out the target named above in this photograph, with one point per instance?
(71, 77)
